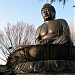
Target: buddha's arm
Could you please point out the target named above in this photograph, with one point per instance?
(38, 37)
(65, 37)
(65, 27)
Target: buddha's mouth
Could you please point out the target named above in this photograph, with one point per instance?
(46, 17)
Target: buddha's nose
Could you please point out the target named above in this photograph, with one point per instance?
(45, 11)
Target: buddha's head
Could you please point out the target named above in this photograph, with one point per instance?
(48, 12)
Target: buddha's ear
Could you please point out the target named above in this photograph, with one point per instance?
(53, 15)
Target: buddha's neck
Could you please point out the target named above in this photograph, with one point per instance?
(49, 21)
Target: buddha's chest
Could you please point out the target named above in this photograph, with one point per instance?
(50, 28)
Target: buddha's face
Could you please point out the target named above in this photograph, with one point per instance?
(46, 13)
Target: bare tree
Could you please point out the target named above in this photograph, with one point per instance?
(16, 35)
(51, 1)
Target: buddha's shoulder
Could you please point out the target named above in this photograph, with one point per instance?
(62, 20)
(40, 26)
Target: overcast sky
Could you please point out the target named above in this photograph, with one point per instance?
(29, 11)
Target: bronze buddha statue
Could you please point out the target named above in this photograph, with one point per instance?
(53, 31)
